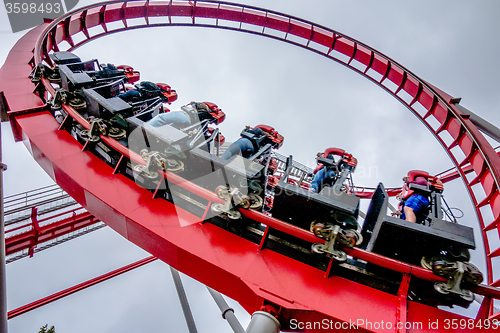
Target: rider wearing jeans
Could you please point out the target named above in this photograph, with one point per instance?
(243, 146)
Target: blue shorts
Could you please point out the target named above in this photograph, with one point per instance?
(418, 203)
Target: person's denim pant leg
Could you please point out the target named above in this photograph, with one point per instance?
(176, 119)
(320, 177)
(242, 145)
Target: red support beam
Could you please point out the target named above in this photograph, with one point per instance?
(78, 287)
(485, 309)
(402, 310)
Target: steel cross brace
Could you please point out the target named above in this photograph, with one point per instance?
(66, 292)
(402, 310)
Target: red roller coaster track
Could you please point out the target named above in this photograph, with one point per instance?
(242, 270)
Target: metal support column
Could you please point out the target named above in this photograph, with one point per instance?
(483, 125)
(263, 322)
(227, 312)
(184, 302)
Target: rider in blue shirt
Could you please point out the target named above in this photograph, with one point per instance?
(321, 176)
(416, 207)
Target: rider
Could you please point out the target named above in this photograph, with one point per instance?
(329, 171)
(252, 139)
(414, 206)
(321, 173)
(146, 90)
(190, 114)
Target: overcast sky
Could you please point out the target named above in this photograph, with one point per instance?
(314, 102)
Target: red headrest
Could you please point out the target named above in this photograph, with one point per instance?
(132, 76)
(168, 92)
(418, 177)
(267, 128)
(126, 68)
(433, 181)
(412, 174)
(164, 87)
(333, 151)
(217, 113)
(346, 157)
(275, 137)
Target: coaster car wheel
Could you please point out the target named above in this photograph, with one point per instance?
(243, 183)
(139, 168)
(426, 263)
(339, 256)
(217, 208)
(255, 201)
(317, 248)
(86, 134)
(348, 241)
(441, 268)
(318, 228)
(222, 192)
(151, 175)
(244, 202)
(234, 215)
(54, 78)
(472, 274)
(77, 103)
(173, 165)
(117, 133)
(355, 236)
(240, 199)
(467, 295)
(441, 288)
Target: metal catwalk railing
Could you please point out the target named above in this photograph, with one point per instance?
(47, 199)
(42, 218)
(53, 242)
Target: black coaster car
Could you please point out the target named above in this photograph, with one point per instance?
(300, 207)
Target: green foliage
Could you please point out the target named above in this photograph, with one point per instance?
(45, 330)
